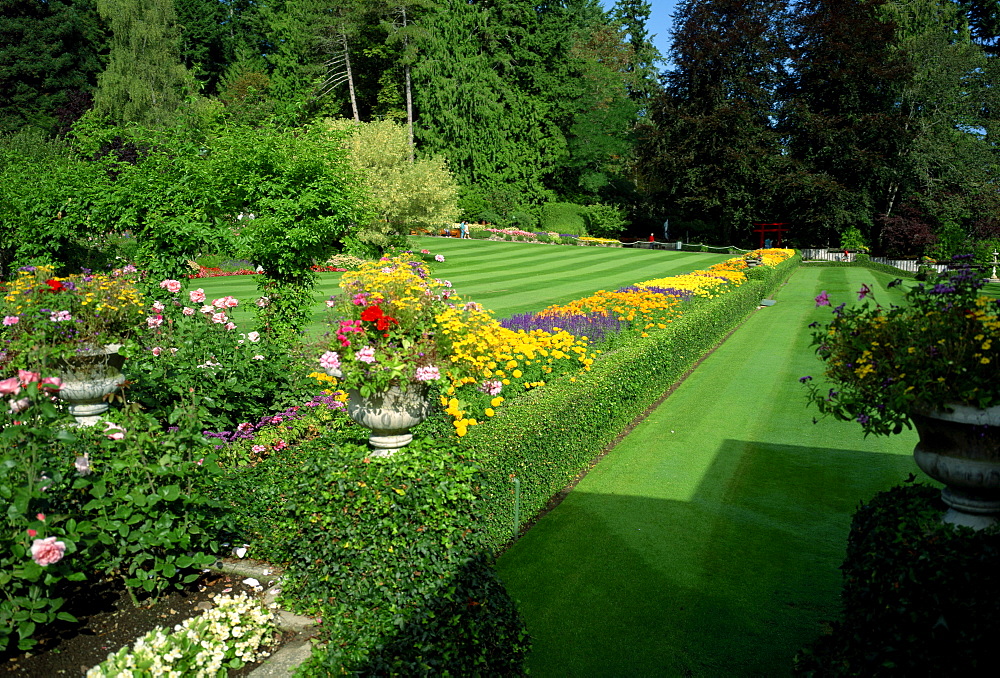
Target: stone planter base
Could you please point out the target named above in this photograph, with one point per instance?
(961, 449)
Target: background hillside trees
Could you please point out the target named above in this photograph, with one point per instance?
(832, 115)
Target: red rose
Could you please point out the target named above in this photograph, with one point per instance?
(54, 285)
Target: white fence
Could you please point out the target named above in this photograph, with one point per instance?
(838, 255)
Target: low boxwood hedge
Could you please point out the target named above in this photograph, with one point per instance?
(550, 435)
(920, 597)
(389, 553)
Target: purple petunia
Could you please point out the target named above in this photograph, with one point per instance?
(823, 299)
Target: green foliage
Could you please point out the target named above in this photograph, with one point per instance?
(389, 552)
(49, 56)
(852, 239)
(134, 508)
(712, 149)
(605, 221)
(299, 186)
(144, 80)
(406, 194)
(564, 217)
(550, 435)
(46, 196)
(918, 594)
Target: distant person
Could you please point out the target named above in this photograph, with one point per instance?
(666, 232)
(463, 229)
(651, 239)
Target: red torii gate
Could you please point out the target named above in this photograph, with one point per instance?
(769, 228)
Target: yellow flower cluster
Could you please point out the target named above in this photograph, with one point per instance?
(329, 385)
(484, 351)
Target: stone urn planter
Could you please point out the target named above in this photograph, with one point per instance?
(87, 379)
(961, 449)
(390, 415)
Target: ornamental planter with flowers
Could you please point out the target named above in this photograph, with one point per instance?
(384, 346)
(933, 362)
(69, 326)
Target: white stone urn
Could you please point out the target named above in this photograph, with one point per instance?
(390, 414)
(87, 379)
(960, 447)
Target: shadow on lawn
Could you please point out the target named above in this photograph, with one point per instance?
(731, 582)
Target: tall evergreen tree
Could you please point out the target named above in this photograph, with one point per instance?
(712, 151)
(145, 80)
(841, 117)
(294, 49)
(49, 50)
(493, 134)
(632, 16)
(203, 47)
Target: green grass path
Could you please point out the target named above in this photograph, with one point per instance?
(707, 543)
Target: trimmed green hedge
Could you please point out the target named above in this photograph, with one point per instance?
(920, 597)
(550, 435)
(389, 553)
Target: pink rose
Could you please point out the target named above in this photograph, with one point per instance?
(230, 302)
(10, 386)
(113, 431)
(171, 286)
(40, 516)
(158, 307)
(47, 551)
(156, 350)
(254, 336)
(188, 310)
(54, 383)
(32, 533)
(258, 357)
(9, 320)
(366, 355)
(439, 257)
(258, 449)
(219, 318)
(207, 309)
(154, 321)
(27, 377)
(230, 326)
(197, 296)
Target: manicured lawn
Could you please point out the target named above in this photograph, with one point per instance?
(707, 543)
(507, 278)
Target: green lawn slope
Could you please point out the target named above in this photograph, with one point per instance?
(707, 542)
